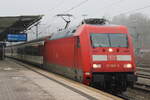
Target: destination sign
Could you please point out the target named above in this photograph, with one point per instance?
(17, 37)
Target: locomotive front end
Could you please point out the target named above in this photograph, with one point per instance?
(113, 65)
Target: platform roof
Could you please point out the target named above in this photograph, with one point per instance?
(16, 24)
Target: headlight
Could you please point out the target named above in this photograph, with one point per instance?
(87, 73)
(97, 65)
(110, 50)
(127, 66)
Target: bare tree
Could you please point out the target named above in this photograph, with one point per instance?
(139, 27)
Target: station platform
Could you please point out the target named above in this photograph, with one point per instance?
(19, 81)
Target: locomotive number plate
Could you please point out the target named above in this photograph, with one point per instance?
(112, 57)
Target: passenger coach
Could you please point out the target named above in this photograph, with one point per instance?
(31, 51)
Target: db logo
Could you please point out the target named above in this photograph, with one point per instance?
(112, 58)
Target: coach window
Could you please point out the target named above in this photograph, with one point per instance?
(78, 42)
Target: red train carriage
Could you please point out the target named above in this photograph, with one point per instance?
(93, 54)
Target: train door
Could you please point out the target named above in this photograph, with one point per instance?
(77, 60)
(2, 51)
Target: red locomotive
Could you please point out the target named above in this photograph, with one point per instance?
(94, 53)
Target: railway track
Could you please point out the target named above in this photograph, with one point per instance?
(139, 88)
(145, 69)
(143, 72)
(136, 94)
(142, 87)
(143, 76)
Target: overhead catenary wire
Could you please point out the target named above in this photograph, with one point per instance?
(76, 6)
(72, 8)
(134, 10)
(83, 2)
(112, 4)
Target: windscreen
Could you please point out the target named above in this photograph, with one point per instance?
(109, 40)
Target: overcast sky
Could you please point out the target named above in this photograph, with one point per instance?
(50, 7)
(92, 8)
(96, 8)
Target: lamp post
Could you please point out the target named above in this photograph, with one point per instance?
(137, 37)
(37, 29)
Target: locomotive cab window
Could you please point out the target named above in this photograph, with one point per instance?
(109, 40)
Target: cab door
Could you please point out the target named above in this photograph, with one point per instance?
(77, 60)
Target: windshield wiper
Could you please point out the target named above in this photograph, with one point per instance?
(109, 40)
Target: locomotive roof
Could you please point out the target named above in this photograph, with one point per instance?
(72, 31)
(64, 33)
